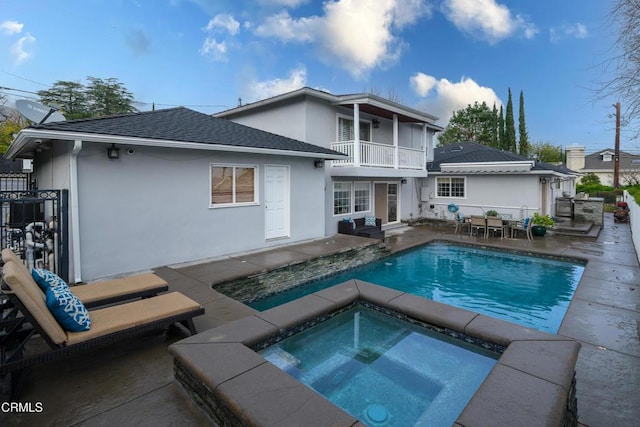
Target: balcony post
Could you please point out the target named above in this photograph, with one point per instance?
(356, 135)
(396, 152)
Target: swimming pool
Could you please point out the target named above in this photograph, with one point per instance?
(385, 371)
(529, 290)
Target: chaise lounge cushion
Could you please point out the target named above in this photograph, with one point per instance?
(67, 309)
(22, 285)
(120, 317)
(121, 287)
(46, 279)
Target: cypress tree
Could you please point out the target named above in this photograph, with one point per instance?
(524, 146)
(501, 138)
(510, 127)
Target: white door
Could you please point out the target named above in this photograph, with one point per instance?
(276, 201)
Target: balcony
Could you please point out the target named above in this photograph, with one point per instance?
(377, 155)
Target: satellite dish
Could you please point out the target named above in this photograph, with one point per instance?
(37, 112)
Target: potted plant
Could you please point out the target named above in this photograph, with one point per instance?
(492, 213)
(540, 224)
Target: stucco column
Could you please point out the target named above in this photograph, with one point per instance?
(356, 135)
(396, 159)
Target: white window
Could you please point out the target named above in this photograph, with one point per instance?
(607, 157)
(346, 130)
(233, 185)
(341, 198)
(450, 187)
(362, 196)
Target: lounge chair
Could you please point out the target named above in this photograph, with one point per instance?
(107, 291)
(30, 314)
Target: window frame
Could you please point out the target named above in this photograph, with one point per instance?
(350, 199)
(234, 193)
(368, 190)
(450, 192)
(342, 117)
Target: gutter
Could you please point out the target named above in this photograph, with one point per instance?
(75, 211)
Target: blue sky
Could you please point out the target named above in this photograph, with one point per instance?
(435, 55)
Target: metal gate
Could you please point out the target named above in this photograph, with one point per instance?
(35, 226)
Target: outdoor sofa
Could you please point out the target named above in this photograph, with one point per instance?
(28, 315)
(360, 227)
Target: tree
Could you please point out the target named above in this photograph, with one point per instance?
(510, 128)
(624, 68)
(69, 97)
(545, 152)
(502, 144)
(590, 179)
(473, 124)
(523, 145)
(107, 97)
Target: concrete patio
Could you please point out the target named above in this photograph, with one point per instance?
(132, 383)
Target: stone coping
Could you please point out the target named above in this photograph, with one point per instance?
(532, 382)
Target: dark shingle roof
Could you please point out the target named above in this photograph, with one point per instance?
(183, 125)
(594, 161)
(472, 152)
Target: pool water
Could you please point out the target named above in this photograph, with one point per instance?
(385, 371)
(527, 290)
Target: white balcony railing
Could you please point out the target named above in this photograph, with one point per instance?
(374, 154)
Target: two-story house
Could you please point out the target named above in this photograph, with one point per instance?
(602, 164)
(387, 145)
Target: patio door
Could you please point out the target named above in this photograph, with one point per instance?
(386, 201)
(276, 201)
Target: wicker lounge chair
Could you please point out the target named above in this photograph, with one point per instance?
(107, 291)
(30, 315)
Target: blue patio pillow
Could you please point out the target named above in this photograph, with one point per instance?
(67, 309)
(46, 279)
(370, 221)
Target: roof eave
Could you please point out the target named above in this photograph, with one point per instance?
(24, 137)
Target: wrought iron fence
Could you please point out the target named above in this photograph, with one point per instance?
(34, 224)
(14, 181)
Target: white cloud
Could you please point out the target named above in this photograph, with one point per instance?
(214, 50)
(11, 27)
(284, 28)
(358, 35)
(578, 31)
(422, 83)
(285, 3)
(266, 89)
(449, 96)
(486, 19)
(225, 22)
(20, 49)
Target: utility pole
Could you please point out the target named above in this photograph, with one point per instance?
(616, 160)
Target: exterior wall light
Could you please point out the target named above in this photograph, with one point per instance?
(376, 123)
(113, 152)
(318, 164)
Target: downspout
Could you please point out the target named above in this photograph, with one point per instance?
(75, 211)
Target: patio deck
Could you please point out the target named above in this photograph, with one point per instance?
(132, 383)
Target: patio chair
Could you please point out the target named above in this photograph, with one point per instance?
(523, 226)
(31, 314)
(478, 223)
(107, 291)
(495, 225)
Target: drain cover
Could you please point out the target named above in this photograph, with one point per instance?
(377, 413)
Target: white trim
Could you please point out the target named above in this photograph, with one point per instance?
(75, 212)
(24, 137)
(256, 194)
(438, 196)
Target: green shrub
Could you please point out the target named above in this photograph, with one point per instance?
(542, 220)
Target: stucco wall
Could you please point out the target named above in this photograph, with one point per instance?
(152, 208)
(511, 194)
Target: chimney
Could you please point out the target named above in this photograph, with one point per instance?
(575, 157)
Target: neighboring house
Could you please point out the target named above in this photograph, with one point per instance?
(387, 147)
(478, 178)
(602, 165)
(173, 186)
